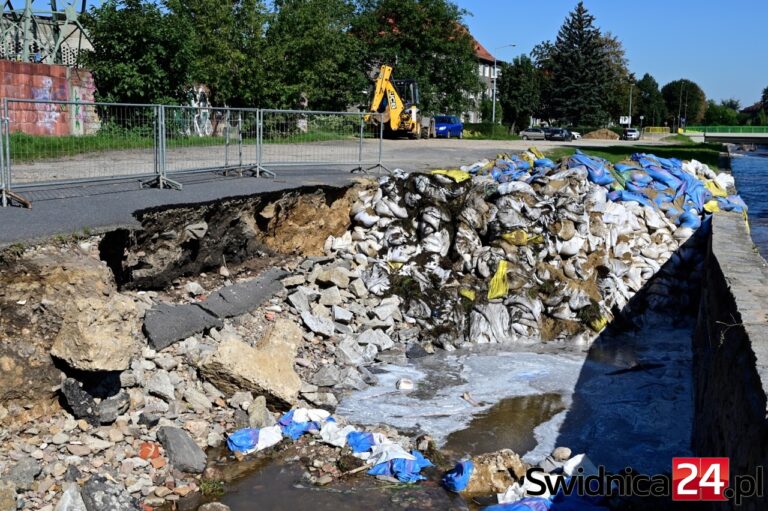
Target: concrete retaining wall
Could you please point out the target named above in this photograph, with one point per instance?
(731, 354)
(46, 82)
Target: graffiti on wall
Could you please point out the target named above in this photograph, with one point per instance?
(47, 113)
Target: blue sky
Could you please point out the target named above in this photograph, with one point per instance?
(718, 44)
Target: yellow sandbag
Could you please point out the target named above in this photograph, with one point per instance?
(598, 324)
(530, 158)
(469, 294)
(538, 154)
(712, 206)
(713, 187)
(395, 265)
(457, 175)
(519, 238)
(499, 286)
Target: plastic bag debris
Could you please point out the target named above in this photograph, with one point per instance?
(248, 440)
(469, 294)
(405, 470)
(360, 441)
(499, 286)
(332, 434)
(458, 477)
(296, 423)
(526, 504)
(457, 175)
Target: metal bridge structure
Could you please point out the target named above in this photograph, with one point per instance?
(41, 31)
(757, 135)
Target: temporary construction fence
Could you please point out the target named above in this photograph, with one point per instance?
(46, 142)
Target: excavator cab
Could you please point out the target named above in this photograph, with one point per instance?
(408, 91)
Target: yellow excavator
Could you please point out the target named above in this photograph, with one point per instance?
(397, 101)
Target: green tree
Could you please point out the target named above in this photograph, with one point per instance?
(140, 54)
(519, 92)
(424, 40)
(229, 47)
(542, 59)
(311, 53)
(619, 79)
(722, 114)
(650, 102)
(686, 99)
(580, 71)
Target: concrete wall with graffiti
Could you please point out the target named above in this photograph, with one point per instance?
(44, 82)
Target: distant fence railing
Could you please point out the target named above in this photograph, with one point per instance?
(63, 142)
(657, 129)
(726, 129)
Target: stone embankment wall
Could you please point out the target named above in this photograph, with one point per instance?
(731, 355)
(42, 83)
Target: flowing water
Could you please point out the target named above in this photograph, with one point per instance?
(750, 169)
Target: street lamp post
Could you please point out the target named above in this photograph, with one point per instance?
(495, 75)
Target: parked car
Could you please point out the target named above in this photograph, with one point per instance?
(576, 135)
(448, 126)
(559, 134)
(631, 134)
(533, 134)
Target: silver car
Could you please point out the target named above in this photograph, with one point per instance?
(533, 134)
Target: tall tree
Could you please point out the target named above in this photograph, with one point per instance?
(619, 80)
(542, 59)
(229, 37)
(140, 54)
(519, 92)
(424, 40)
(580, 71)
(686, 99)
(312, 53)
(650, 102)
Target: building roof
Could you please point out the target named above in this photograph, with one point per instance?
(482, 53)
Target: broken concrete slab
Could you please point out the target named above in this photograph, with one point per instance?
(167, 324)
(245, 296)
(267, 369)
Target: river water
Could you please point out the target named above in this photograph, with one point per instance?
(750, 169)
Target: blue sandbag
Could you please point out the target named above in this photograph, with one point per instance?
(640, 177)
(406, 471)
(526, 504)
(663, 176)
(627, 196)
(360, 441)
(690, 219)
(243, 440)
(732, 203)
(544, 162)
(458, 477)
(621, 167)
(596, 170)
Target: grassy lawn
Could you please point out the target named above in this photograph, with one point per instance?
(26, 148)
(705, 153)
(487, 131)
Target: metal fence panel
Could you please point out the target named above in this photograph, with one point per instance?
(302, 138)
(64, 142)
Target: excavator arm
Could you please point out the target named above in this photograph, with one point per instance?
(386, 100)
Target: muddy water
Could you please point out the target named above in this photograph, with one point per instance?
(507, 424)
(279, 487)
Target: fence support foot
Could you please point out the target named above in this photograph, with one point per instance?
(378, 166)
(162, 182)
(10, 197)
(261, 170)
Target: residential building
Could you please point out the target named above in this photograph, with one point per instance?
(485, 70)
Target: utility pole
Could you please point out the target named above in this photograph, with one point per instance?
(631, 86)
(495, 75)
